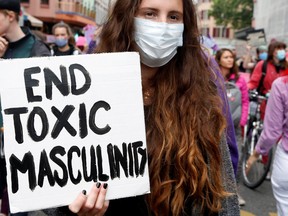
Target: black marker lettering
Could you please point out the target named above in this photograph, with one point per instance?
(102, 177)
(30, 83)
(87, 77)
(27, 164)
(143, 160)
(93, 169)
(55, 151)
(73, 149)
(112, 164)
(121, 159)
(17, 121)
(82, 121)
(62, 121)
(94, 109)
(130, 154)
(135, 146)
(51, 78)
(45, 170)
(31, 124)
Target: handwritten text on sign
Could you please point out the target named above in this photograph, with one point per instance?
(72, 121)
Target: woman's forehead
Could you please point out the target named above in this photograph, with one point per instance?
(167, 5)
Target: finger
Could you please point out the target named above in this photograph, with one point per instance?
(92, 197)
(249, 164)
(4, 41)
(247, 169)
(2, 45)
(77, 204)
(102, 195)
(104, 208)
(101, 205)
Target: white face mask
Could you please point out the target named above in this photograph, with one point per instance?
(157, 41)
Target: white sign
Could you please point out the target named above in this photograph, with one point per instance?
(72, 121)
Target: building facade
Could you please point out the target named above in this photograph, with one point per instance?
(77, 13)
(272, 16)
(103, 8)
(207, 24)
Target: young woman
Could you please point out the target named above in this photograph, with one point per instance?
(229, 70)
(275, 127)
(189, 162)
(63, 40)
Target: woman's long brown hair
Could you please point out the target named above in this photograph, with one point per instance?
(184, 124)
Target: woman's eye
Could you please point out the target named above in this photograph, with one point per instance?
(177, 18)
(150, 14)
(173, 17)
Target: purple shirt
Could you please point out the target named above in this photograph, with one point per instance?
(276, 118)
(230, 133)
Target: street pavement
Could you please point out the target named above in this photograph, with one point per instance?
(259, 201)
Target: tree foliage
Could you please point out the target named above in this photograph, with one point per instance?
(237, 13)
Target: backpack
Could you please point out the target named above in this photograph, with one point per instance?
(235, 101)
(264, 69)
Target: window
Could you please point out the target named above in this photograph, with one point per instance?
(204, 15)
(45, 2)
(221, 32)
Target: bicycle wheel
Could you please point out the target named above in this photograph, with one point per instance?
(260, 168)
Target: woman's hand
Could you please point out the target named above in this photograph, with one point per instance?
(251, 160)
(93, 204)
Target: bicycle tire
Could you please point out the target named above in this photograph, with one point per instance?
(260, 168)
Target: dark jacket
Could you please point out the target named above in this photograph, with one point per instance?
(40, 49)
(36, 48)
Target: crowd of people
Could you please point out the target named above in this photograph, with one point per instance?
(191, 143)
(268, 75)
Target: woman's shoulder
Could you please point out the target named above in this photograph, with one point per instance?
(281, 81)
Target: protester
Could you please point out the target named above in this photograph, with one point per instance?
(275, 68)
(189, 162)
(250, 61)
(15, 42)
(64, 40)
(276, 127)
(229, 70)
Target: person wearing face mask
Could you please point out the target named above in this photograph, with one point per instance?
(261, 52)
(188, 123)
(276, 65)
(63, 40)
(250, 62)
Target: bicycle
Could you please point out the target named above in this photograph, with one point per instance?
(261, 167)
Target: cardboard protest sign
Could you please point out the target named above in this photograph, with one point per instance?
(72, 121)
(256, 38)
